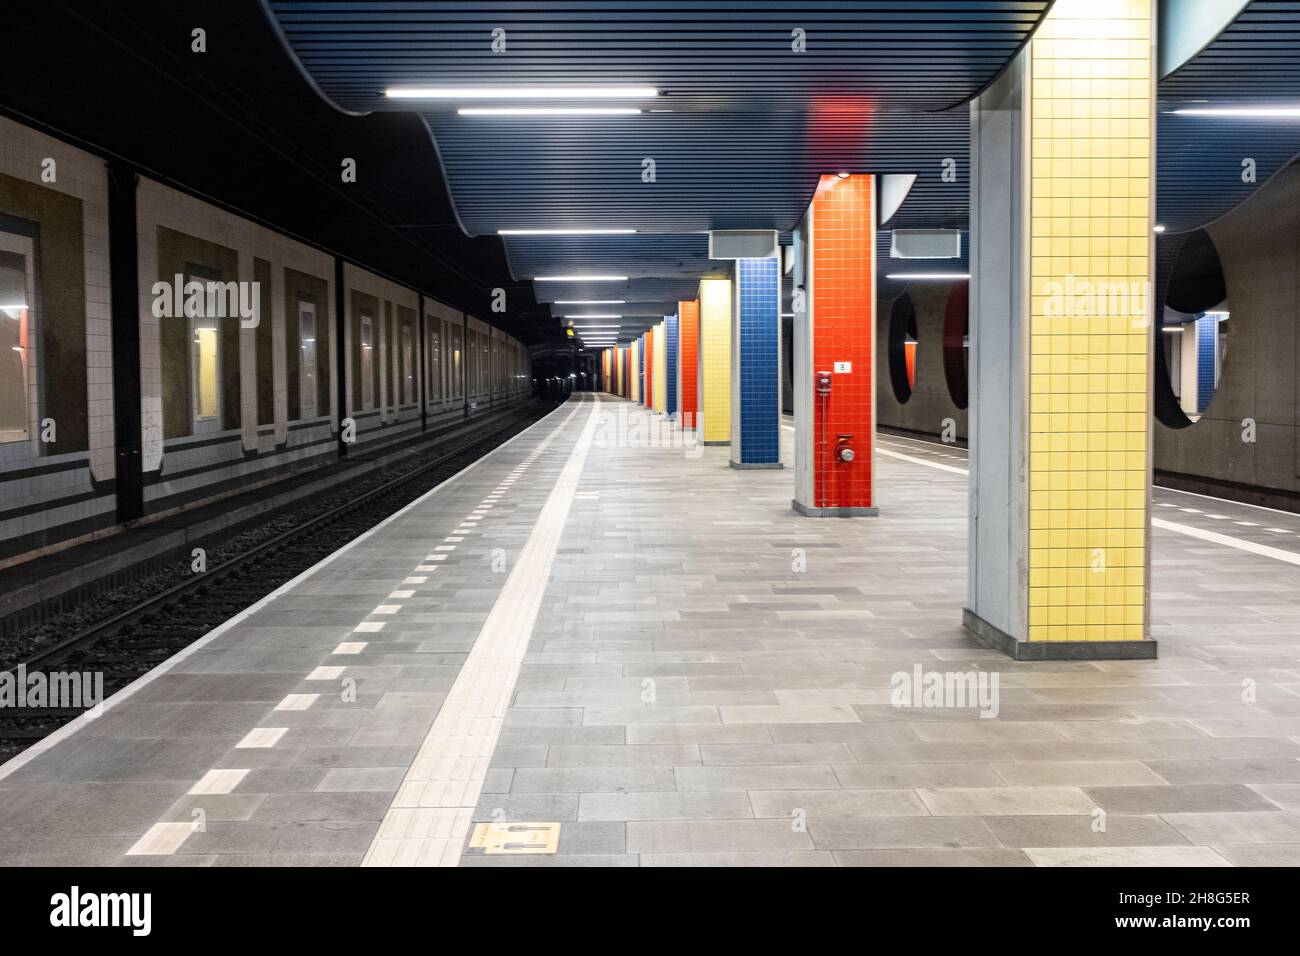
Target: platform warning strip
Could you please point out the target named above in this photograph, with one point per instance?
(431, 814)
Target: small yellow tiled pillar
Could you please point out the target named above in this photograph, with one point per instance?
(636, 364)
(715, 361)
(660, 394)
(1062, 571)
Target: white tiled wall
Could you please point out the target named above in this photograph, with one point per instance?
(389, 295)
(78, 174)
(159, 205)
(82, 175)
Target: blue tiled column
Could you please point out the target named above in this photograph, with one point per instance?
(670, 365)
(1207, 358)
(756, 346)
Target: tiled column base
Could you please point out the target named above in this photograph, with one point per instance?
(810, 512)
(991, 636)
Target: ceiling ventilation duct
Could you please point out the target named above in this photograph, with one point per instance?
(743, 244)
(925, 244)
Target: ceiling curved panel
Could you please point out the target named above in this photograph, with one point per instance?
(756, 101)
(1204, 137)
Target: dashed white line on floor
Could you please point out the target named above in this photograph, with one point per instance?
(259, 738)
(161, 839)
(297, 702)
(218, 781)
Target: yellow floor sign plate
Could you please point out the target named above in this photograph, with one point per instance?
(494, 838)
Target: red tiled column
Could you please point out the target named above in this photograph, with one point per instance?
(688, 367)
(835, 334)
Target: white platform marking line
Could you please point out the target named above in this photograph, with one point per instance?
(429, 818)
(1263, 550)
(921, 461)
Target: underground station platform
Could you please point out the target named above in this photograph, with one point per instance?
(442, 437)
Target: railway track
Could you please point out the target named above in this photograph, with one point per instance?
(132, 642)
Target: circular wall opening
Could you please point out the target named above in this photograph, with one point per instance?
(956, 344)
(902, 347)
(1193, 332)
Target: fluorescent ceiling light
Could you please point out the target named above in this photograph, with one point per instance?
(565, 232)
(928, 275)
(520, 92)
(547, 111)
(590, 301)
(597, 315)
(1280, 112)
(580, 278)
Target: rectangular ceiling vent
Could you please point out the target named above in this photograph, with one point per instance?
(743, 244)
(925, 244)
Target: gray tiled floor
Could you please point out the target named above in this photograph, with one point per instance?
(708, 684)
(770, 687)
(317, 796)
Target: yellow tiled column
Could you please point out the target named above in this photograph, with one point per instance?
(1081, 107)
(636, 364)
(715, 361)
(660, 394)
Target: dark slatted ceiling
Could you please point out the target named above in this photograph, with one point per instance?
(739, 135)
(1254, 62)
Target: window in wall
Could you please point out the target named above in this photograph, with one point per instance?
(16, 288)
(471, 356)
(1193, 331)
(408, 366)
(457, 374)
(205, 365)
(307, 358)
(956, 343)
(448, 372)
(902, 348)
(367, 360)
(435, 365)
